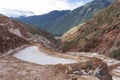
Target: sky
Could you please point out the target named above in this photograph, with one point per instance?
(42, 6)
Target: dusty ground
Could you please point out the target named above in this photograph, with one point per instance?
(14, 69)
(113, 64)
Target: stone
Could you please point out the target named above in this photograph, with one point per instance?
(74, 79)
(102, 72)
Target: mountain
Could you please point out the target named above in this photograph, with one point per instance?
(63, 23)
(41, 20)
(15, 12)
(77, 16)
(14, 35)
(24, 42)
(100, 34)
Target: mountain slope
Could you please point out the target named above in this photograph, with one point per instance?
(10, 42)
(101, 34)
(14, 34)
(77, 16)
(58, 22)
(41, 20)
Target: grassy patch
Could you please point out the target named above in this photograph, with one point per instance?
(87, 32)
(115, 53)
(69, 44)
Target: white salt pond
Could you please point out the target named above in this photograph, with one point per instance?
(33, 54)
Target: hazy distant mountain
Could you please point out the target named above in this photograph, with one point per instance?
(42, 20)
(15, 12)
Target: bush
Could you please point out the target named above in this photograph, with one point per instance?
(115, 54)
(69, 44)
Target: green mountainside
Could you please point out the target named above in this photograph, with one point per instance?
(41, 20)
(60, 24)
(77, 16)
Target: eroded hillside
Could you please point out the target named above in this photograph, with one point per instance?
(31, 55)
(15, 34)
(101, 34)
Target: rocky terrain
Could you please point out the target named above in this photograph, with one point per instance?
(29, 53)
(87, 66)
(15, 34)
(12, 26)
(101, 34)
(9, 42)
(13, 69)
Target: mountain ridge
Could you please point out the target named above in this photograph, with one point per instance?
(73, 18)
(78, 16)
(41, 20)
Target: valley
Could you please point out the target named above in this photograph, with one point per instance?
(81, 44)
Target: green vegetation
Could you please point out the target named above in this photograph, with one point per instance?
(77, 16)
(102, 20)
(87, 32)
(68, 44)
(41, 20)
(115, 53)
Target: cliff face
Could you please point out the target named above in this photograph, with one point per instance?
(101, 34)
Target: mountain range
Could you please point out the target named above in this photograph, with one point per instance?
(68, 19)
(41, 20)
